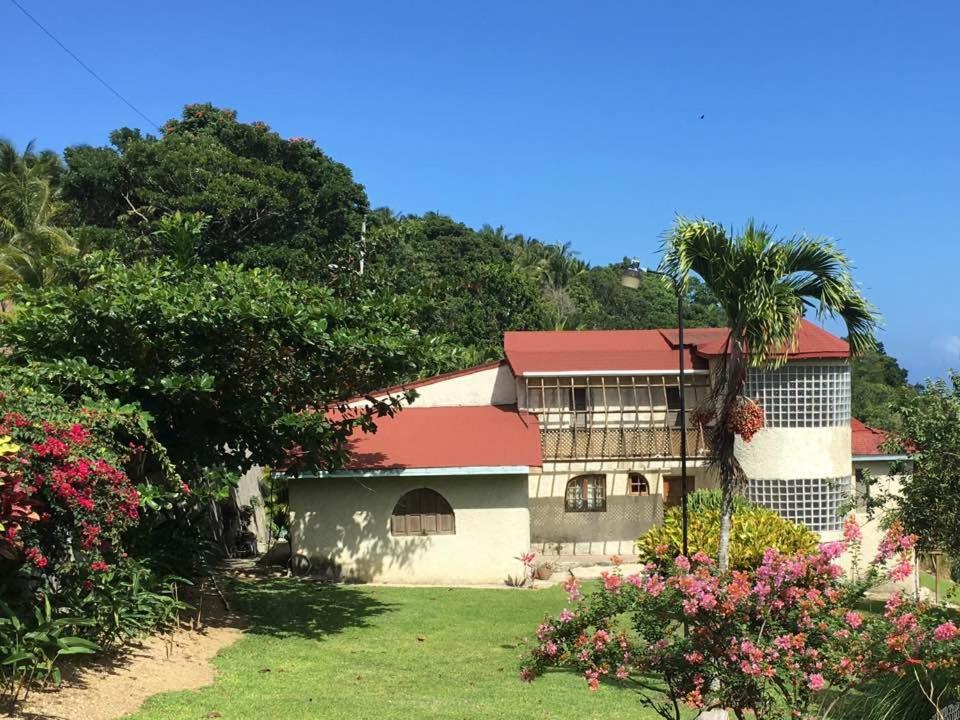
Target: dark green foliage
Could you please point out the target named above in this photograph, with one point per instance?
(930, 502)
(275, 202)
(31, 647)
(603, 303)
(226, 360)
(879, 385)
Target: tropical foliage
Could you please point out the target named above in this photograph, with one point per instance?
(763, 286)
(31, 240)
(228, 362)
(930, 433)
(753, 531)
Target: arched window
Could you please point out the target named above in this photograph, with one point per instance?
(637, 484)
(586, 493)
(422, 512)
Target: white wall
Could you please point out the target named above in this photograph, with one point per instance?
(796, 453)
(348, 521)
(488, 386)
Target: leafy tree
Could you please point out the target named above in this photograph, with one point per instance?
(879, 386)
(272, 202)
(229, 362)
(930, 432)
(31, 239)
(763, 285)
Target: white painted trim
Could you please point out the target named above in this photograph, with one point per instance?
(612, 373)
(879, 458)
(425, 472)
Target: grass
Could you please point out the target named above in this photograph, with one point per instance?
(354, 652)
(949, 590)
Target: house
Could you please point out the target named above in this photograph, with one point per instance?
(571, 445)
(876, 478)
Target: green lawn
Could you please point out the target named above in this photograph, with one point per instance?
(356, 652)
(949, 590)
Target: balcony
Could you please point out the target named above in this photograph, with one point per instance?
(596, 443)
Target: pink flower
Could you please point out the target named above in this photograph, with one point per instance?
(682, 563)
(945, 632)
(572, 588)
(702, 558)
(901, 571)
(611, 583)
(853, 620)
(851, 530)
(566, 616)
(816, 681)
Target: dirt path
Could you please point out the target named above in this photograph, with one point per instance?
(118, 685)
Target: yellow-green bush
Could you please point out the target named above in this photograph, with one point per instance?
(754, 530)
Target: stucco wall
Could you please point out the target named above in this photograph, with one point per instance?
(488, 386)
(554, 531)
(348, 522)
(792, 453)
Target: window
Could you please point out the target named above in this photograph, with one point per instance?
(637, 484)
(814, 502)
(586, 493)
(422, 512)
(863, 482)
(673, 398)
(578, 405)
(802, 394)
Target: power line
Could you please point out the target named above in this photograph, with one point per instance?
(82, 64)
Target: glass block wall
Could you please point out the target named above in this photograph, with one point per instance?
(815, 502)
(802, 394)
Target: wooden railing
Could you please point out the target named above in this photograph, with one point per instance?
(589, 443)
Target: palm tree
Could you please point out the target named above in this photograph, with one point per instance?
(30, 240)
(763, 285)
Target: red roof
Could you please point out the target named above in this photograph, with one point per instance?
(866, 440)
(606, 351)
(562, 351)
(442, 437)
(812, 342)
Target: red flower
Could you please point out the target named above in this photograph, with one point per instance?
(99, 566)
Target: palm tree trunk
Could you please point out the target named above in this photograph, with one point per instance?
(731, 474)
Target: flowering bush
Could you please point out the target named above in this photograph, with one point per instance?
(64, 507)
(782, 640)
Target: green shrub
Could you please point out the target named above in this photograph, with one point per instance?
(754, 530)
(713, 499)
(31, 647)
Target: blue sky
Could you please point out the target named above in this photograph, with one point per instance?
(567, 121)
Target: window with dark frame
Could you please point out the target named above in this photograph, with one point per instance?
(637, 484)
(422, 512)
(586, 493)
(579, 406)
(673, 398)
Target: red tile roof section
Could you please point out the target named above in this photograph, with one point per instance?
(866, 440)
(813, 342)
(563, 351)
(441, 437)
(642, 350)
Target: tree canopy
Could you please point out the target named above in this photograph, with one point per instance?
(230, 362)
(272, 201)
(930, 432)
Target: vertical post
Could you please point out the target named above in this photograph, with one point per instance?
(683, 423)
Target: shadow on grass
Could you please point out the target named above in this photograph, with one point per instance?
(289, 607)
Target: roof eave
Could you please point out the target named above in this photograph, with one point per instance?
(412, 471)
